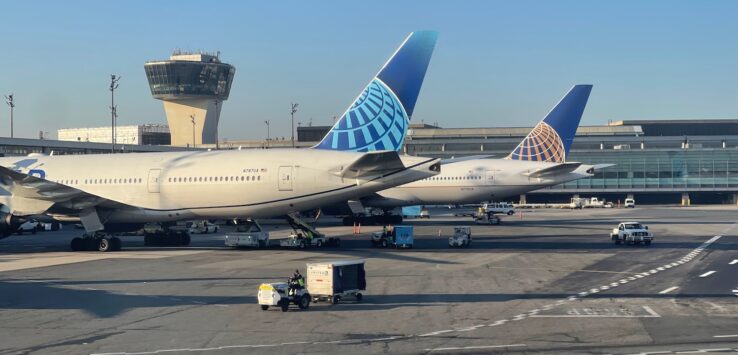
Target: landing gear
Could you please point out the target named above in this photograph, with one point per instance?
(103, 243)
(167, 238)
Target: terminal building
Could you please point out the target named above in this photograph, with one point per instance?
(656, 161)
(145, 134)
(193, 87)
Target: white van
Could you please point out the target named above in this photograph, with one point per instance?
(629, 203)
(499, 207)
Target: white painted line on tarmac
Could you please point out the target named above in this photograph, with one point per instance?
(669, 290)
(708, 273)
(499, 322)
(479, 347)
(651, 311)
(436, 333)
(726, 336)
(735, 261)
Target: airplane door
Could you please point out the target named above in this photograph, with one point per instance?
(285, 178)
(153, 182)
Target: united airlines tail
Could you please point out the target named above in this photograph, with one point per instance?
(551, 139)
(379, 118)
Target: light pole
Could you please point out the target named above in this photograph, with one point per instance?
(11, 103)
(294, 110)
(192, 118)
(267, 123)
(218, 100)
(113, 109)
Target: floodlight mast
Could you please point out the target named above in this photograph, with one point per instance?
(292, 113)
(11, 103)
(113, 109)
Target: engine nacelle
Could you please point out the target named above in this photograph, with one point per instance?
(9, 224)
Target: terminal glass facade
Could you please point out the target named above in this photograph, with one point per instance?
(174, 79)
(659, 170)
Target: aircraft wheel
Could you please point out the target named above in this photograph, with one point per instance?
(104, 245)
(264, 307)
(384, 243)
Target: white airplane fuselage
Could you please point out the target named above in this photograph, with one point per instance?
(474, 181)
(161, 187)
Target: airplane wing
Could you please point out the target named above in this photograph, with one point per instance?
(30, 195)
(372, 163)
(562, 168)
(471, 157)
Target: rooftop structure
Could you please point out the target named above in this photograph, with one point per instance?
(146, 134)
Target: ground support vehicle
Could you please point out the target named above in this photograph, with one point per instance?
(30, 226)
(461, 237)
(333, 281)
(248, 234)
(398, 237)
(631, 233)
(305, 235)
(499, 208)
(281, 294)
(629, 203)
(203, 227)
(482, 217)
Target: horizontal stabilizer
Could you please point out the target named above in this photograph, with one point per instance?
(554, 170)
(601, 166)
(373, 163)
(460, 159)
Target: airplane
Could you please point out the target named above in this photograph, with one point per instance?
(114, 193)
(538, 161)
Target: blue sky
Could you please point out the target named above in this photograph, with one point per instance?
(497, 63)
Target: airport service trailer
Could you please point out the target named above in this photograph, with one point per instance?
(334, 280)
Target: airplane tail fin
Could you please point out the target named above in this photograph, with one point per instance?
(378, 118)
(551, 139)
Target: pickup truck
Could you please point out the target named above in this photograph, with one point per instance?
(631, 233)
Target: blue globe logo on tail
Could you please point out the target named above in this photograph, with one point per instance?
(379, 118)
(542, 144)
(376, 121)
(551, 138)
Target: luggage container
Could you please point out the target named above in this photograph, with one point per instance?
(332, 281)
(397, 236)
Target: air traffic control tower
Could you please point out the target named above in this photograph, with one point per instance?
(193, 87)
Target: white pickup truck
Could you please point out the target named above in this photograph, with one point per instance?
(631, 233)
